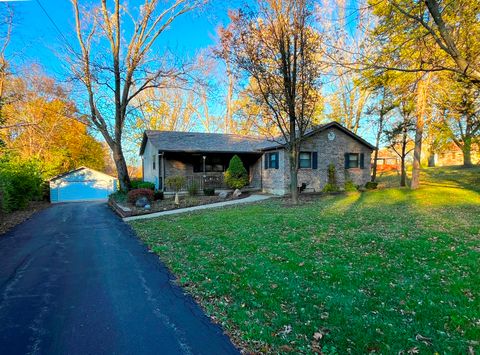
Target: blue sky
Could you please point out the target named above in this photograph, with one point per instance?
(35, 38)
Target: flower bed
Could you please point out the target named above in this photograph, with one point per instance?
(126, 209)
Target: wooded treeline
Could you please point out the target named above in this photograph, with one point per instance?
(402, 73)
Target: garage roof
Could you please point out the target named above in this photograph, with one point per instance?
(76, 170)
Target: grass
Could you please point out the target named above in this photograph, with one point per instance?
(385, 271)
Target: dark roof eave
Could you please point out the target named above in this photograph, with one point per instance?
(210, 151)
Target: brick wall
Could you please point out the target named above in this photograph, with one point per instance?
(329, 152)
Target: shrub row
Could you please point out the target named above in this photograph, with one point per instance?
(20, 183)
(139, 184)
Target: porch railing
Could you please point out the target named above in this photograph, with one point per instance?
(202, 182)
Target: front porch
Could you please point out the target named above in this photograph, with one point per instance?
(205, 170)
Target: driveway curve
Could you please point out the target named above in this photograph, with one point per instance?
(74, 279)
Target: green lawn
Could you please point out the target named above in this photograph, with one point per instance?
(384, 271)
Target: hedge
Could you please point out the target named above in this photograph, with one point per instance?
(20, 183)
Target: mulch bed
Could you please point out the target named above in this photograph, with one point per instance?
(10, 220)
(169, 204)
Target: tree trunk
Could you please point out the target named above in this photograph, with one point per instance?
(431, 160)
(417, 153)
(403, 173)
(294, 175)
(374, 168)
(377, 143)
(121, 165)
(422, 99)
(467, 153)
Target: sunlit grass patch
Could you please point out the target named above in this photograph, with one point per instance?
(386, 271)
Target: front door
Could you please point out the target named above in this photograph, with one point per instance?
(160, 172)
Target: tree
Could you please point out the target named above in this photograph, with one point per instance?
(399, 136)
(344, 43)
(115, 69)
(384, 104)
(276, 45)
(44, 125)
(458, 100)
(421, 110)
(417, 29)
(6, 25)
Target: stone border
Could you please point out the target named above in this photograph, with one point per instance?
(249, 199)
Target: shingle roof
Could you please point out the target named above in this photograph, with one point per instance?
(173, 141)
(203, 142)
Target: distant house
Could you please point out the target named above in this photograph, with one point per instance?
(387, 160)
(202, 158)
(452, 155)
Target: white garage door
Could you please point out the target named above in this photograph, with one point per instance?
(84, 190)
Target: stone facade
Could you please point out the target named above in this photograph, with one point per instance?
(277, 181)
(274, 180)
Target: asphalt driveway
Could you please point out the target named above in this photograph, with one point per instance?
(74, 279)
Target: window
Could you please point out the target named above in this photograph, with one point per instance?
(354, 160)
(271, 161)
(154, 161)
(212, 164)
(305, 160)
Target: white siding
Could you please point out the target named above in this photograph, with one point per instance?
(149, 154)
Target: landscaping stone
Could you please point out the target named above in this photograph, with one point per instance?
(141, 202)
(124, 208)
(237, 193)
(223, 194)
(147, 207)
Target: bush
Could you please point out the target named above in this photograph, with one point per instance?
(350, 186)
(209, 192)
(119, 196)
(193, 189)
(236, 175)
(175, 182)
(371, 185)
(331, 185)
(20, 183)
(134, 195)
(139, 184)
(158, 195)
(330, 188)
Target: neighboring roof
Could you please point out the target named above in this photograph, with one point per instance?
(191, 142)
(173, 141)
(59, 176)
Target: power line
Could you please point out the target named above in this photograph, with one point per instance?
(54, 24)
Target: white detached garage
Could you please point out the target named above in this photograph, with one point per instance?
(82, 184)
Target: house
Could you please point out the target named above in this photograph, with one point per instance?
(202, 158)
(81, 184)
(451, 154)
(387, 160)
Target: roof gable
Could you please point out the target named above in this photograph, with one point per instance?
(78, 170)
(279, 144)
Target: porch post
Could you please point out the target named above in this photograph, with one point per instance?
(163, 170)
(204, 158)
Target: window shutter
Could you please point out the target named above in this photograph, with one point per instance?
(361, 160)
(314, 160)
(346, 161)
(265, 157)
(276, 161)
